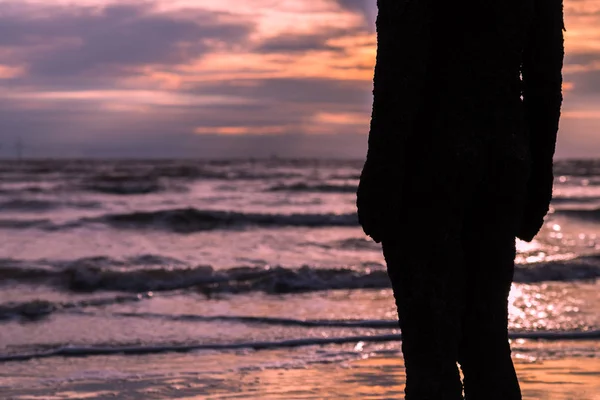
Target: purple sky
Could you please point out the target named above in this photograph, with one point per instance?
(221, 78)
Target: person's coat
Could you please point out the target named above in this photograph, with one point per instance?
(455, 77)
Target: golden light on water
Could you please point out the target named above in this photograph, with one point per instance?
(550, 306)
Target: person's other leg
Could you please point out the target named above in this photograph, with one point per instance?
(425, 267)
(489, 248)
(425, 260)
(485, 355)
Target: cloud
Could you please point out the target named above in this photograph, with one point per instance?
(582, 71)
(287, 106)
(367, 8)
(71, 41)
(297, 43)
(93, 76)
(585, 83)
(217, 78)
(310, 91)
(354, 5)
(270, 107)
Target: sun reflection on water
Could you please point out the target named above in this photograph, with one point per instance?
(551, 306)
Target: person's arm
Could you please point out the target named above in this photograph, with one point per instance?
(403, 43)
(542, 98)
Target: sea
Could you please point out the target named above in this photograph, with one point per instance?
(252, 256)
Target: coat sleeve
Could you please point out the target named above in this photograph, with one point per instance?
(403, 54)
(542, 99)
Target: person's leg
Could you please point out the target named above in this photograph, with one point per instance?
(425, 262)
(489, 247)
(427, 275)
(485, 355)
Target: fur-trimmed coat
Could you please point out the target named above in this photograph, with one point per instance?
(455, 78)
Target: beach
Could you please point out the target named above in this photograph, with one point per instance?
(250, 279)
(195, 376)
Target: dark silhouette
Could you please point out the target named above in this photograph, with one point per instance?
(467, 99)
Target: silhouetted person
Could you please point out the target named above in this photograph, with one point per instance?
(467, 98)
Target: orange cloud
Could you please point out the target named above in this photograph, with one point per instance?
(581, 114)
(240, 130)
(295, 66)
(342, 118)
(8, 72)
(567, 86)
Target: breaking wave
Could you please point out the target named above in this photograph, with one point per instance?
(322, 188)
(558, 200)
(585, 214)
(28, 205)
(203, 278)
(192, 220)
(83, 351)
(582, 167)
(34, 205)
(308, 323)
(37, 309)
(105, 274)
(129, 184)
(124, 188)
(188, 220)
(27, 224)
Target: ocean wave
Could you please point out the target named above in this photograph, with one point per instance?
(218, 170)
(32, 188)
(35, 205)
(346, 244)
(45, 224)
(34, 309)
(142, 260)
(557, 200)
(122, 184)
(191, 220)
(206, 280)
(23, 270)
(27, 205)
(584, 214)
(577, 167)
(173, 170)
(317, 188)
(184, 171)
(81, 276)
(62, 272)
(92, 275)
(40, 308)
(345, 177)
(356, 244)
(84, 351)
(310, 323)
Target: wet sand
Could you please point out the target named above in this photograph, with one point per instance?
(383, 378)
(188, 376)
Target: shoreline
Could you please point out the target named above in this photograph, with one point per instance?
(193, 376)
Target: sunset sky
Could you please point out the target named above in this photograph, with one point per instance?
(221, 78)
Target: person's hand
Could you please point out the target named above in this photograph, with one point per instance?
(537, 203)
(377, 200)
